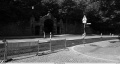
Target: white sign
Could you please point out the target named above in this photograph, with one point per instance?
(84, 19)
(88, 23)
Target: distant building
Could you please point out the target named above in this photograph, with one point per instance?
(47, 24)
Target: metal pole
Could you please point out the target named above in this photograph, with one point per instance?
(44, 34)
(5, 52)
(50, 35)
(110, 34)
(66, 27)
(84, 28)
(18, 49)
(50, 43)
(29, 48)
(101, 35)
(65, 44)
(38, 48)
(84, 34)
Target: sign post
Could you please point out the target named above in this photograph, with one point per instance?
(84, 22)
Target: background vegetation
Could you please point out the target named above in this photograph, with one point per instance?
(102, 14)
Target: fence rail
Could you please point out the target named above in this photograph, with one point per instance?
(10, 50)
(21, 48)
(58, 44)
(51, 46)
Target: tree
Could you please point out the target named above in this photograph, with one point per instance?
(108, 15)
(68, 10)
(52, 6)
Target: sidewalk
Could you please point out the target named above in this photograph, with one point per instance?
(67, 37)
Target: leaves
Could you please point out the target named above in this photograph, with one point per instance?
(97, 11)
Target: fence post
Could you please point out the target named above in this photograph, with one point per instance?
(37, 48)
(5, 50)
(110, 34)
(50, 46)
(29, 48)
(18, 48)
(101, 35)
(84, 41)
(50, 43)
(44, 34)
(65, 44)
(50, 35)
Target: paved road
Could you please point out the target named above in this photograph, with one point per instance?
(104, 50)
(63, 56)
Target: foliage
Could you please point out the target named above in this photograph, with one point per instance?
(105, 13)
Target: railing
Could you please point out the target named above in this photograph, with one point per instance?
(2, 51)
(19, 48)
(51, 46)
(10, 50)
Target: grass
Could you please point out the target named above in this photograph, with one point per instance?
(16, 49)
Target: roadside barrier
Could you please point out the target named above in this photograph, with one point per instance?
(3, 50)
(42, 47)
